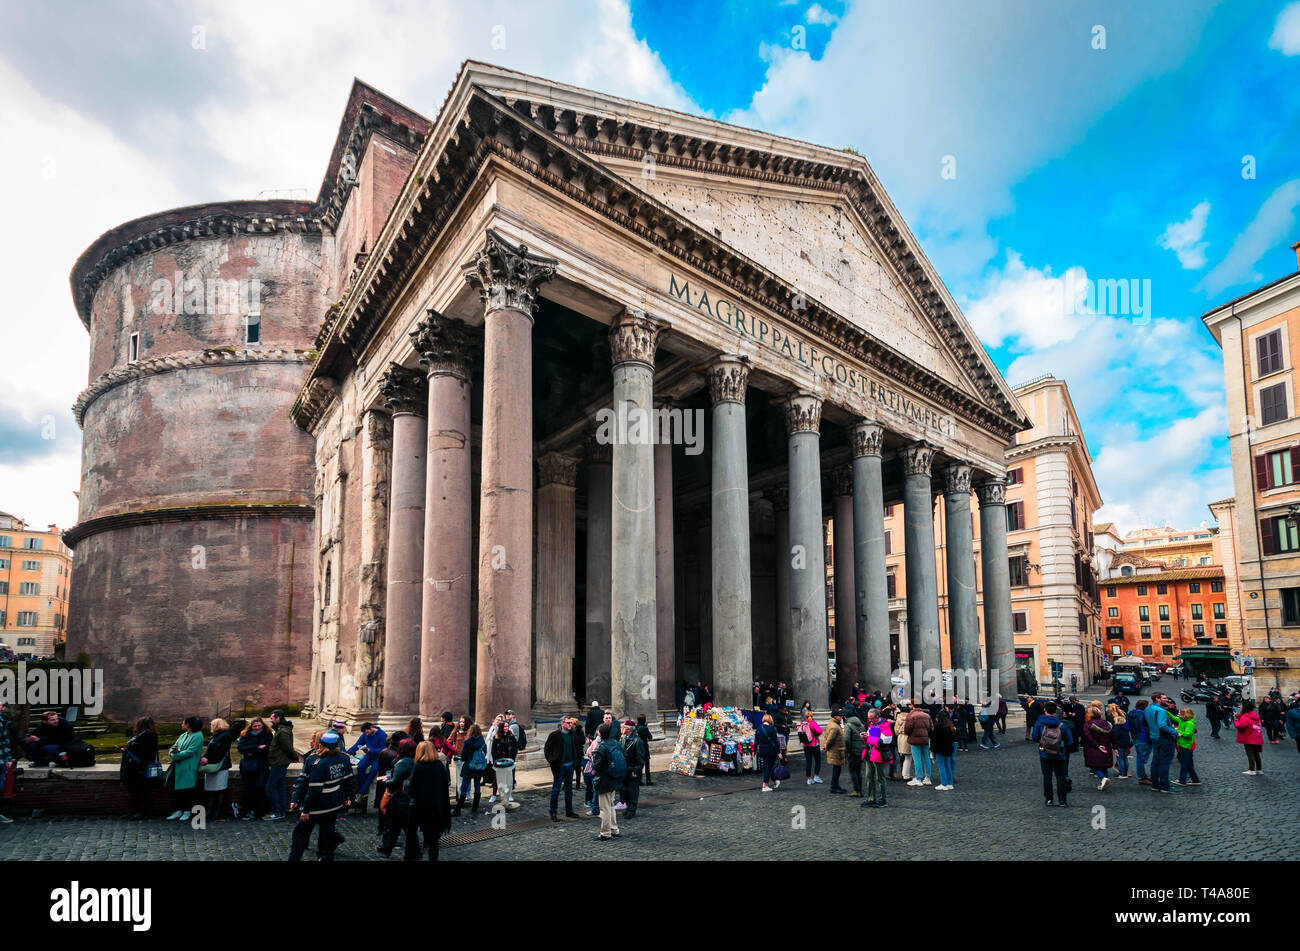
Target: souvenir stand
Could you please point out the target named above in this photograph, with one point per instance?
(716, 739)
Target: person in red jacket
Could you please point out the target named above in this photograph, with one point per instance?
(1250, 736)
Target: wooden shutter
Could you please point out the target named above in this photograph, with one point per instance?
(1295, 463)
(1268, 538)
(1261, 472)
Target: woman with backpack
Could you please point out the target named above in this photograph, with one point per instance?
(1122, 738)
(473, 764)
(1250, 736)
(396, 804)
(140, 752)
(182, 774)
(1098, 745)
(810, 732)
(215, 767)
(768, 743)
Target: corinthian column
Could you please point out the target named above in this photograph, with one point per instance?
(600, 456)
(634, 684)
(405, 391)
(999, 641)
(733, 660)
(963, 615)
(553, 648)
(784, 632)
(446, 349)
(923, 643)
(871, 581)
(805, 559)
(665, 568)
(507, 278)
(846, 625)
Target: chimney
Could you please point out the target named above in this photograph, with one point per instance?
(1296, 248)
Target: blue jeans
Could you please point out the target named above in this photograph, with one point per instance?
(366, 771)
(465, 781)
(1121, 760)
(564, 778)
(1162, 760)
(946, 767)
(812, 761)
(1186, 768)
(1143, 753)
(769, 766)
(275, 789)
(987, 737)
(920, 762)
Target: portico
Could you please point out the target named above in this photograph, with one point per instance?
(617, 400)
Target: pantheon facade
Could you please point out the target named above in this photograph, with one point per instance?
(553, 259)
(546, 399)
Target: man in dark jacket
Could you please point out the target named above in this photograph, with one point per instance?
(636, 754)
(49, 741)
(562, 750)
(1054, 740)
(643, 731)
(1214, 713)
(278, 758)
(606, 782)
(594, 717)
(330, 787)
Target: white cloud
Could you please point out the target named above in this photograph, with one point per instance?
(820, 15)
(1286, 32)
(1025, 308)
(1273, 227)
(1184, 238)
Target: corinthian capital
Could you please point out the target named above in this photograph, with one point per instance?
(917, 458)
(507, 275)
(405, 391)
(445, 346)
(867, 439)
(992, 490)
(555, 468)
(956, 479)
(728, 376)
(803, 413)
(633, 337)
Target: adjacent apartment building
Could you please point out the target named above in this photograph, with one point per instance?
(1051, 498)
(1259, 333)
(35, 570)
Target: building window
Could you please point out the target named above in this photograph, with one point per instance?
(1142, 591)
(1167, 649)
(2, 618)
(6, 541)
(1279, 534)
(1146, 630)
(1083, 622)
(1146, 649)
(1193, 587)
(30, 564)
(26, 642)
(1205, 560)
(1219, 609)
(1144, 613)
(253, 329)
(1216, 587)
(889, 543)
(1110, 591)
(1015, 516)
(1018, 569)
(1198, 612)
(1268, 352)
(1115, 633)
(1164, 612)
(1198, 629)
(4, 587)
(1272, 403)
(29, 587)
(1220, 630)
(1019, 621)
(26, 618)
(1112, 612)
(133, 353)
(1162, 588)
(1164, 630)
(1015, 476)
(1273, 469)
(32, 544)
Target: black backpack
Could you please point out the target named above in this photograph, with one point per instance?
(1052, 740)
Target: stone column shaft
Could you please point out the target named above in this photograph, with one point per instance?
(871, 588)
(507, 278)
(665, 575)
(963, 614)
(599, 509)
(376, 476)
(923, 642)
(846, 625)
(807, 561)
(405, 391)
(784, 629)
(998, 637)
(446, 641)
(733, 661)
(633, 611)
(553, 648)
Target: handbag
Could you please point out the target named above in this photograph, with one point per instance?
(781, 772)
(503, 763)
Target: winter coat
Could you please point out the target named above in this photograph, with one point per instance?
(809, 732)
(184, 770)
(1046, 721)
(900, 737)
(854, 745)
(1293, 723)
(253, 748)
(1248, 731)
(942, 739)
(833, 743)
(917, 726)
(428, 791)
(604, 782)
(503, 746)
(1186, 731)
(1098, 745)
(561, 748)
(878, 738)
(1123, 739)
(467, 750)
(281, 752)
(139, 752)
(769, 745)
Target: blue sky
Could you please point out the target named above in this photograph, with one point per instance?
(1074, 158)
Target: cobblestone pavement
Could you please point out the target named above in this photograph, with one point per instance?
(996, 811)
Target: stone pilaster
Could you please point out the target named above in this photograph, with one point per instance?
(553, 646)
(923, 643)
(376, 472)
(447, 349)
(999, 640)
(963, 613)
(733, 662)
(406, 393)
(634, 682)
(806, 558)
(507, 277)
(871, 583)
